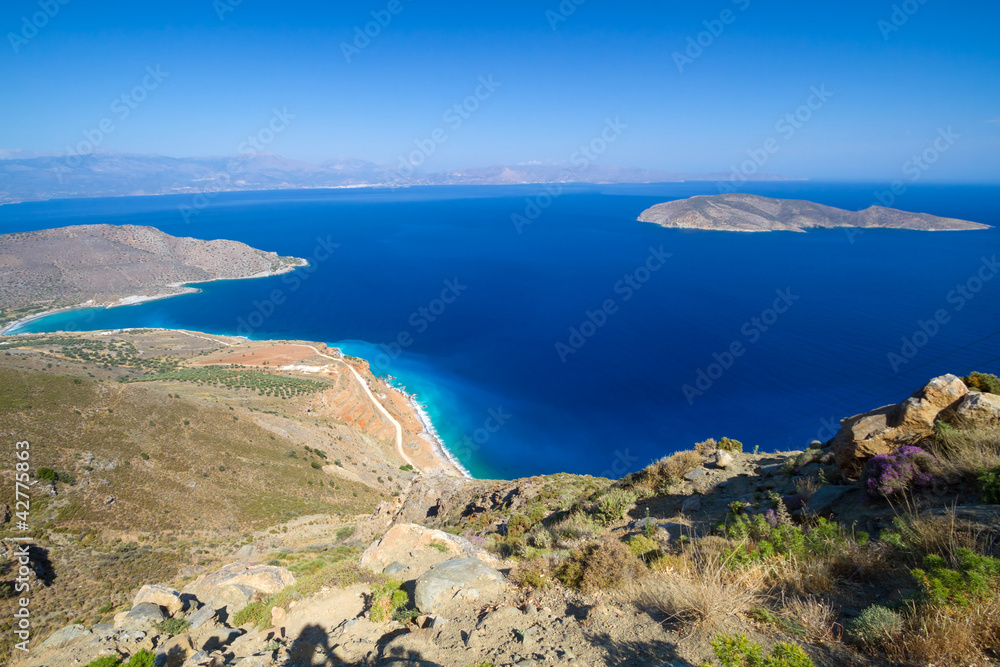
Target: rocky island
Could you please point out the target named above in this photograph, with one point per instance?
(737, 212)
(97, 265)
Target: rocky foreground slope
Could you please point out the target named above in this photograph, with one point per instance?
(737, 212)
(878, 547)
(102, 264)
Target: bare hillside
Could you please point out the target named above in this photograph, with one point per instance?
(106, 263)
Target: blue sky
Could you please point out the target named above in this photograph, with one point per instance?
(892, 89)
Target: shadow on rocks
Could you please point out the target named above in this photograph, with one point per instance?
(638, 652)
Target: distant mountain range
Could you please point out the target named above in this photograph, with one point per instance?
(32, 176)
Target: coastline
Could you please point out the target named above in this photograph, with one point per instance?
(181, 289)
(432, 444)
(441, 449)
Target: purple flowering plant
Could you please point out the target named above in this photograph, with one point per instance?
(909, 467)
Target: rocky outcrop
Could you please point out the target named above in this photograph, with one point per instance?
(265, 579)
(235, 586)
(420, 548)
(141, 617)
(888, 428)
(65, 635)
(979, 408)
(166, 598)
(455, 581)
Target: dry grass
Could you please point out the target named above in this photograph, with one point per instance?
(659, 476)
(706, 447)
(949, 637)
(925, 534)
(964, 451)
(814, 618)
(807, 486)
(706, 593)
(574, 529)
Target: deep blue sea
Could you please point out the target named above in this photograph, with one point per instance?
(436, 287)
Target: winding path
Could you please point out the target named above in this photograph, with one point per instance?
(364, 385)
(361, 381)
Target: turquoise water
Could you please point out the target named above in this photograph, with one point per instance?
(568, 346)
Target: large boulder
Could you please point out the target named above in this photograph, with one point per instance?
(919, 412)
(409, 543)
(141, 617)
(204, 615)
(238, 584)
(979, 408)
(65, 635)
(456, 580)
(888, 428)
(166, 598)
(230, 599)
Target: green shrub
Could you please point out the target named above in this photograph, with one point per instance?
(738, 651)
(537, 512)
(256, 613)
(603, 566)
(644, 548)
(142, 658)
(989, 485)
(144, 456)
(613, 505)
(404, 468)
(941, 584)
(984, 382)
(730, 445)
(539, 537)
(518, 524)
(316, 465)
(386, 599)
(172, 626)
(48, 474)
(440, 546)
(759, 540)
(875, 624)
(533, 574)
(345, 532)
